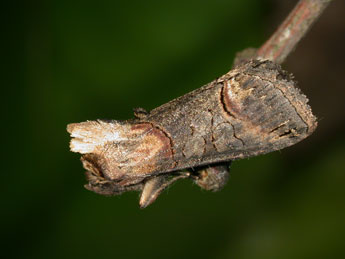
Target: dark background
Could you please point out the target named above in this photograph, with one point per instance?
(71, 61)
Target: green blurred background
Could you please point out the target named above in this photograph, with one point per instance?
(71, 61)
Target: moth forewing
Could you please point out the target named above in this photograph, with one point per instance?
(254, 109)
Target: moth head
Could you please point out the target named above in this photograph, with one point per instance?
(120, 151)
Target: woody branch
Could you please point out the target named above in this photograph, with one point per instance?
(290, 32)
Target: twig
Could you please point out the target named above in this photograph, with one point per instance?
(290, 32)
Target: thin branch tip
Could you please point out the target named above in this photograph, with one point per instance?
(291, 31)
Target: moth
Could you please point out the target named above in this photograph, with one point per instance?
(251, 110)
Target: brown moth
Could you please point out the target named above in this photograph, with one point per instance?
(253, 109)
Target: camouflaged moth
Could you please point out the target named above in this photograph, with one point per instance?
(253, 109)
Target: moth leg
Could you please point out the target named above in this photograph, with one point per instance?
(214, 177)
(154, 186)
